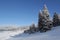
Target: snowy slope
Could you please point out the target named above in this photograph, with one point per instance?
(6, 34)
(54, 34)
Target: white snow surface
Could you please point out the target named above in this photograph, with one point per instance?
(53, 34)
(6, 34)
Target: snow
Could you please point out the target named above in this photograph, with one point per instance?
(53, 34)
(6, 34)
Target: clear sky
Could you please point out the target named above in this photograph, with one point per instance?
(24, 12)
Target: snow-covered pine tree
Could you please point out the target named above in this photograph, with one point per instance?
(55, 19)
(32, 29)
(47, 23)
(59, 20)
(40, 26)
(44, 23)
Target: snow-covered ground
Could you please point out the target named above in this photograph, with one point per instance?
(54, 34)
(6, 34)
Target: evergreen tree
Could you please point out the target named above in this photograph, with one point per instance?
(32, 28)
(55, 19)
(44, 23)
(40, 20)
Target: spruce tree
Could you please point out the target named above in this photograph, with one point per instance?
(40, 25)
(55, 19)
(44, 22)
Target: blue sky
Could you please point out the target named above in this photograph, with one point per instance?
(24, 12)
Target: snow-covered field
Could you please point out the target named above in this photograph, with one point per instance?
(6, 34)
(54, 34)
